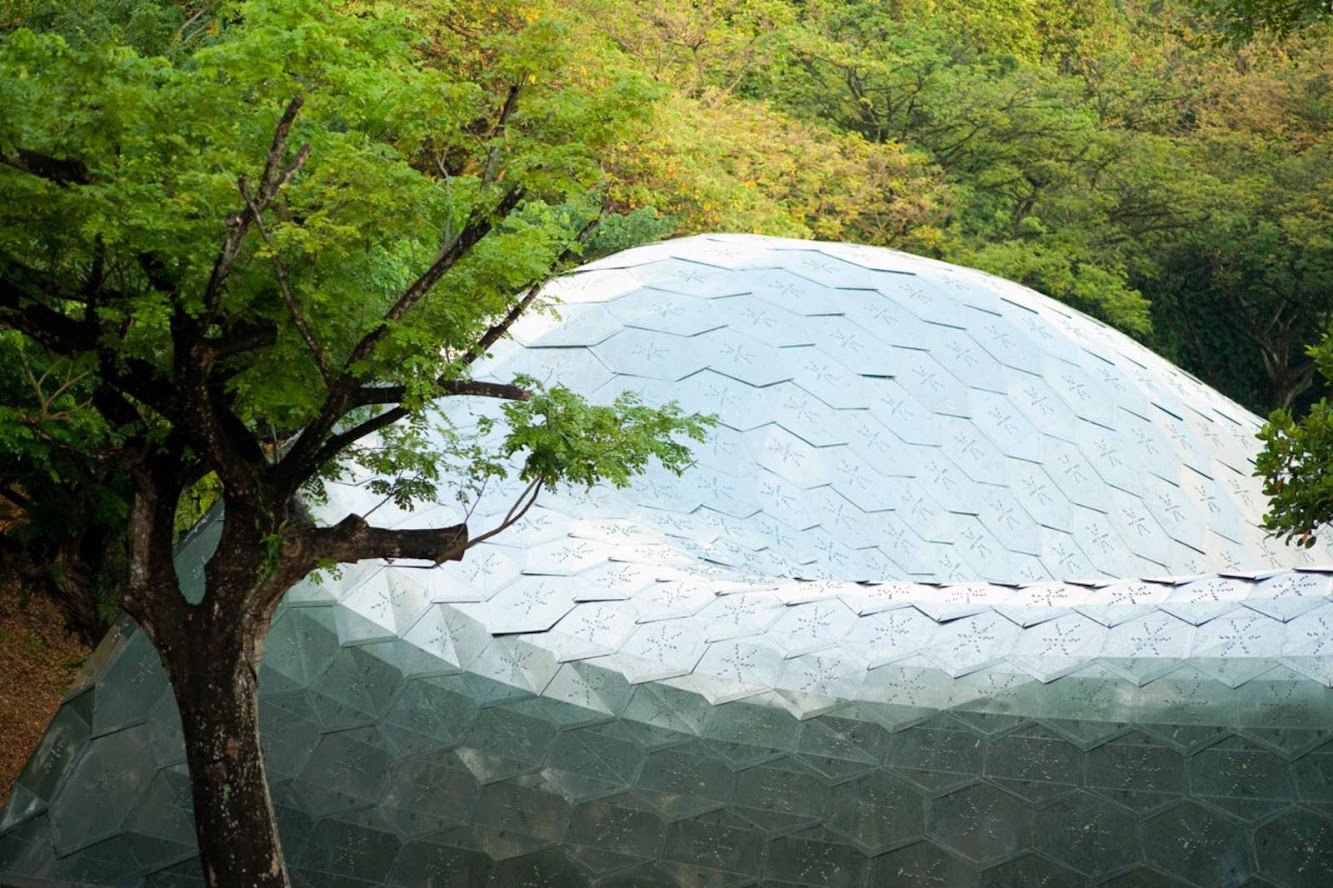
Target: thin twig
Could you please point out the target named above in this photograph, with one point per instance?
(501, 327)
(387, 497)
(532, 485)
(69, 383)
(280, 272)
(238, 225)
(497, 134)
(32, 380)
(472, 507)
(512, 517)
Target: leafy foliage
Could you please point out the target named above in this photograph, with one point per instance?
(567, 440)
(1127, 163)
(401, 151)
(1296, 465)
(1244, 19)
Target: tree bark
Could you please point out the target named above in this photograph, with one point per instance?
(214, 677)
(211, 652)
(1286, 383)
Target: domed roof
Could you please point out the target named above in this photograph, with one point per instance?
(884, 416)
(963, 583)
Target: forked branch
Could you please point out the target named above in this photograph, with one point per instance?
(271, 182)
(393, 395)
(284, 285)
(314, 446)
(476, 228)
(515, 514)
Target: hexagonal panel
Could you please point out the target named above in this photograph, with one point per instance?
(1087, 833)
(980, 822)
(1197, 844)
(1029, 869)
(1296, 848)
(664, 312)
(923, 864)
(801, 861)
(877, 812)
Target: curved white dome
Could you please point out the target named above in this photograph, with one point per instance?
(887, 424)
(906, 622)
(888, 417)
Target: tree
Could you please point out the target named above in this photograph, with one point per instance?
(1240, 296)
(249, 259)
(62, 516)
(1296, 465)
(1038, 177)
(712, 157)
(1245, 19)
(739, 166)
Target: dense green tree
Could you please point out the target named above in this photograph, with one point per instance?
(714, 155)
(1041, 181)
(1296, 464)
(249, 255)
(1244, 19)
(1240, 295)
(63, 536)
(742, 166)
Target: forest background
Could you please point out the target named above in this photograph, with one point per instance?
(1145, 162)
(1152, 164)
(1138, 161)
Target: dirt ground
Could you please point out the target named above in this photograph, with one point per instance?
(38, 662)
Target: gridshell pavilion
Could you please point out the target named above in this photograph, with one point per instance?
(965, 589)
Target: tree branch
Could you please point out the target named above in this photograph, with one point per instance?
(92, 285)
(393, 394)
(493, 156)
(353, 539)
(151, 594)
(280, 272)
(52, 169)
(180, 32)
(501, 327)
(239, 341)
(156, 274)
(22, 311)
(515, 513)
(65, 336)
(337, 443)
(238, 225)
(19, 501)
(304, 458)
(477, 228)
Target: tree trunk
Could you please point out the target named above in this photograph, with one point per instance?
(53, 573)
(217, 694)
(1291, 385)
(86, 572)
